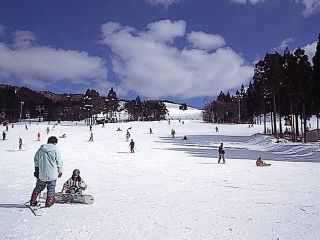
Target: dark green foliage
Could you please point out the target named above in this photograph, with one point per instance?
(285, 85)
(150, 110)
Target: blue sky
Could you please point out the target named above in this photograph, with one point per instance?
(181, 50)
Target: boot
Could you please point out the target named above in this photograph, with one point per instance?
(33, 200)
(50, 201)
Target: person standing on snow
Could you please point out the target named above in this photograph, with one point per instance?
(48, 168)
(20, 143)
(91, 137)
(221, 153)
(4, 135)
(131, 146)
(75, 184)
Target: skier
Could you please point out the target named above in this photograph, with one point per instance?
(150, 130)
(26, 127)
(48, 130)
(48, 167)
(91, 137)
(127, 136)
(221, 153)
(131, 146)
(217, 129)
(4, 135)
(20, 143)
(38, 136)
(75, 184)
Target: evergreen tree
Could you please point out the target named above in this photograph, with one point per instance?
(111, 103)
(316, 81)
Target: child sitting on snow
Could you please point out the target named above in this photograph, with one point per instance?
(260, 162)
(75, 185)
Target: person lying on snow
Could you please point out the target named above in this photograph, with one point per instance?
(75, 184)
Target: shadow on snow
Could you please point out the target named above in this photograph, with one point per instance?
(245, 147)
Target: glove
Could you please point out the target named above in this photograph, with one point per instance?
(36, 172)
(60, 174)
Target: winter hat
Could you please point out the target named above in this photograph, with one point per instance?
(76, 172)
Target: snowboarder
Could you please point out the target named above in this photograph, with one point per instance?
(38, 136)
(261, 163)
(75, 184)
(91, 137)
(20, 143)
(173, 132)
(4, 135)
(48, 167)
(221, 153)
(150, 130)
(185, 138)
(131, 146)
(119, 129)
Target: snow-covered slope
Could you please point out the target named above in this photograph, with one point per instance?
(175, 113)
(169, 188)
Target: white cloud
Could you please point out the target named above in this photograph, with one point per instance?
(42, 66)
(23, 39)
(310, 50)
(164, 3)
(154, 67)
(282, 46)
(205, 41)
(253, 2)
(164, 30)
(310, 6)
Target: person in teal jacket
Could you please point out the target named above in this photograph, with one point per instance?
(48, 168)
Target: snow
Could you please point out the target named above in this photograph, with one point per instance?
(176, 113)
(169, 188)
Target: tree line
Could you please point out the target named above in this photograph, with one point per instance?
(23, 103)
(284, 85)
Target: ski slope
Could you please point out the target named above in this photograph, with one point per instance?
(167, 189)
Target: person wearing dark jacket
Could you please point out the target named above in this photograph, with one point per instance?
(131, 146)
(221, 153)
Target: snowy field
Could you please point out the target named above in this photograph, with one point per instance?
(169, 188)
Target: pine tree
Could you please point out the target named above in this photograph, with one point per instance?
(111, 103)
(316, 81)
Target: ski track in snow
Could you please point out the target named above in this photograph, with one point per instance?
(169, 188)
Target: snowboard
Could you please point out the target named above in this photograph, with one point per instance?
(265, 165)
(72, 198)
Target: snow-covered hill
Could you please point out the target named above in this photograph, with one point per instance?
(175, 113)
(169, 188)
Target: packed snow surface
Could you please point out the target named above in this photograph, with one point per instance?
(169, 188)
